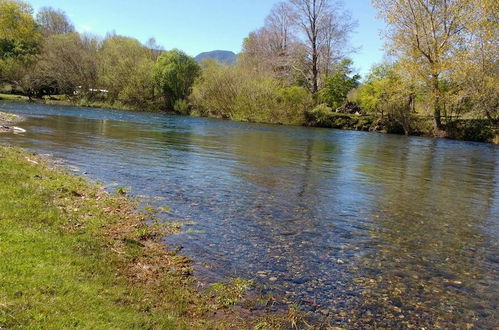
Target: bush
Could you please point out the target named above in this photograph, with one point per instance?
(239, 94)
(478, 130)
(320, 116)
(182, 107)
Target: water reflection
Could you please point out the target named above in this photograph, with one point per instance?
(363, 227)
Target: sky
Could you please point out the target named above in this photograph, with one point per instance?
(197, 26)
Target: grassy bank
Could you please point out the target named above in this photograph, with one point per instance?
(73, 256)
(13, 98)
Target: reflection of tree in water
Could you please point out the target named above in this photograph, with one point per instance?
(431, 243)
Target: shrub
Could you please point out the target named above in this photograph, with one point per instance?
(182, 107)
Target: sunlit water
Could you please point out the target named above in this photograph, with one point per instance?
(369, 229)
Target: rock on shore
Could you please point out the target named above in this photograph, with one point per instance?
(6, 123)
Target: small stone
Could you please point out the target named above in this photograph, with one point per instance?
(340, 262)
(324, 312)
(273, 279)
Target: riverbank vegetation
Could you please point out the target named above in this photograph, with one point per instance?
(75, 256)
(440, 78)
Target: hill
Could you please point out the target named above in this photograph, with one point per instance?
(223, 56)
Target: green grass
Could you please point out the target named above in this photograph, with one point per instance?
(72, 255)
(13, 98)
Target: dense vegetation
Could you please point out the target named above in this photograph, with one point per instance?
(442, 70)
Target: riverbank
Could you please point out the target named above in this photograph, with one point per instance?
(7, 120)
(73, 255)
(478, 130)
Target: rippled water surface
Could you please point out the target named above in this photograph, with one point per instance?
(366, 228)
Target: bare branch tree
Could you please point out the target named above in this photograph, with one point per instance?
(325, 27)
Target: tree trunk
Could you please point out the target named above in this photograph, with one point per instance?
(436, 106)
(315, 64)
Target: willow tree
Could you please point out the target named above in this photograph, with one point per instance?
(424, 34)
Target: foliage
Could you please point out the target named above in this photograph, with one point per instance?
(320, 116)
(423, 36)
(241, 94)
(67, 63)
(182, 107)
(125, 70)
(19, 40)
(389, 91)
(174, 74)
(338, 84)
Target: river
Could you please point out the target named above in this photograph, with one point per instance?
(362, 228)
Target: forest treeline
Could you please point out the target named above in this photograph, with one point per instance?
(440, 76)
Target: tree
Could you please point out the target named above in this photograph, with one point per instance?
(424, 34)
(67, 62)
(273, 48)
(389, 90)
(174, 74)
(54, 21)
(338, 84)
(324, 34)
(19, 42)
(476, 67)
(124, 62)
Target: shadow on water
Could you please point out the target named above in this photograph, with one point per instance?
(366, 229)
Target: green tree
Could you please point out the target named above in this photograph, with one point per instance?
(174, 74)
(19, 40)
(389, 90)
(125, 68)
(424, 35)
(338, 84)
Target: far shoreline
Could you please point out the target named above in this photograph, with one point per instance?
(347, 122)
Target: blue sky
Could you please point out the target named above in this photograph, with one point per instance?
(196, 26)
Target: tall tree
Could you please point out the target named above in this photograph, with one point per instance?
(66, 62)
(273, 48)
(53, 21)
(424, 34)
(325, 27)
(476, 68)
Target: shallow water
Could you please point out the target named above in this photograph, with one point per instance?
(369, 229)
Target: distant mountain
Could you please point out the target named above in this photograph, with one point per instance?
(223, 56)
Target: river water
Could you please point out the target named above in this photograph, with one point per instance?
(366, 229)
